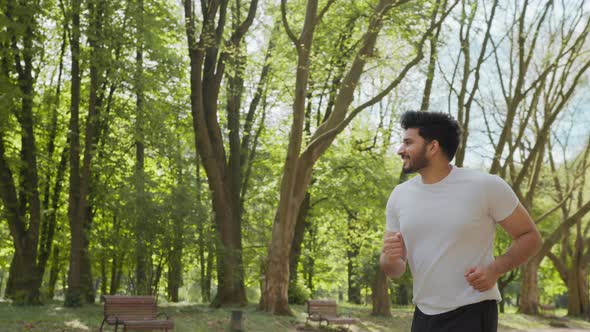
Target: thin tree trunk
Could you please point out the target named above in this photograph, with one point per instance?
(309, 261)
(352, 252)
(503, 282)
(380, 294)
(174, 274)
(142, 232)
(51, 200)
(103, 276)
(175, 260)
(73, 293)
(575, 291)
(54, 271)
(529, 294)
(80, 282)
(208, 273)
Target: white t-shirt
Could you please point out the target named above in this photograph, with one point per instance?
(448, 227)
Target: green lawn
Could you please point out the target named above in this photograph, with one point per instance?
(196, 318)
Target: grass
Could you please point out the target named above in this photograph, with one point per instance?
(197, 318)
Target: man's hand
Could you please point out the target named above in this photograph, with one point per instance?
(393, 246)
(482, 278)
(393, 255)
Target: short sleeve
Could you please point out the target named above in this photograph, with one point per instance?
(391, 214)
(501, 199)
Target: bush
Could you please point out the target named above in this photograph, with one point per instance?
(298, 293)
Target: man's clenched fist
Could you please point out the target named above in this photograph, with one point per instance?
(393, 246)
(481, 278)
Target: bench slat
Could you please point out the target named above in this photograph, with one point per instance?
(147, 325)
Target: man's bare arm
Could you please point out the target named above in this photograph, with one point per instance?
(526, 240)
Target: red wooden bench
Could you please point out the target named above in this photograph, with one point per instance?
(327, 311)
(137, 313)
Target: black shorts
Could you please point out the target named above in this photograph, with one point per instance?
(476, 317)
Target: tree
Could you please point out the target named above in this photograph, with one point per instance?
(572, 262)
(209, 56)
(469, 76)
(83, 158)
(536, 86)
(19, 189)
(298, 165)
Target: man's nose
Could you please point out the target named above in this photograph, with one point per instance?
(401, 150)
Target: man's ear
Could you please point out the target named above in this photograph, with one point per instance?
(433, 147)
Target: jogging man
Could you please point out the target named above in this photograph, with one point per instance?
(442, 223)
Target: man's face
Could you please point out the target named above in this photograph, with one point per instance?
(413, 151)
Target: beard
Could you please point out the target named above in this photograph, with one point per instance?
(416, 163)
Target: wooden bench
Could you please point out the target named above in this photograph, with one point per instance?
(326, 311)
(137, 313)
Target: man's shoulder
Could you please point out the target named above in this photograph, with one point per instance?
(407, 184)
(473, 174)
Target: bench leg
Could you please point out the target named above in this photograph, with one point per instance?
(101, 325)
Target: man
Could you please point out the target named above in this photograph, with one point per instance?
(442, 223)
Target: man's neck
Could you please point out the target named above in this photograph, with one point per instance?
(435, 172)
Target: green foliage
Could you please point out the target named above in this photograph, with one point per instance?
(298, 293)
(550, 282)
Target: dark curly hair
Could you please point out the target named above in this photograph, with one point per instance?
(435, 126)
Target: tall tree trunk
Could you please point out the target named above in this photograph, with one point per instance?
(175, 259)
(54, 271)
(352, 252)
(80, 283)
(503, 282)
(224, 176)
(73, 293)
(103, 275)
(51, 199)
(274, 298)
(577, 291)
(403, 293)
(20, 198)
(309, 261)
(142, 231)
(230, 268)
(23, 285)
(206, 283)
(380, 293)
(354, 286)
(206, 262)
(116, 273)
(529, 294)
(174, 274)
